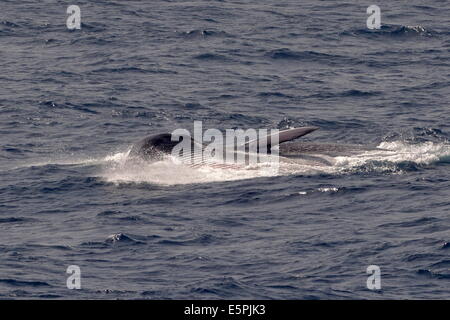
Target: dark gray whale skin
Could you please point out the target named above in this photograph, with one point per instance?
(156, 147)
(319, 153)
(153, 147)
(293, 149)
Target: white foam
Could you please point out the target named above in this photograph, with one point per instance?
(396, 152)
(67, 161)
(331, 189)
(171, 172)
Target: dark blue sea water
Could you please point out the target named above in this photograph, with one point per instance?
(73, 102)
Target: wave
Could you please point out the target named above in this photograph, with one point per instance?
(122, 238)
(211, 57)
(394, 31)
(396, 157)
(203, 33)
(24, 283)
(346, 93)
(287, 54)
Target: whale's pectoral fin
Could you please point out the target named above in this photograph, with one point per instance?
(292, 134)
(272, 140)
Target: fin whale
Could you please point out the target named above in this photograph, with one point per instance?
(156, 147)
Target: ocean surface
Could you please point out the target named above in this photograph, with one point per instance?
(72, 103)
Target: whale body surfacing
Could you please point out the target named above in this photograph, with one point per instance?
(156, 147)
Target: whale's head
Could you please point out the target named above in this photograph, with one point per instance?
(155, 147)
